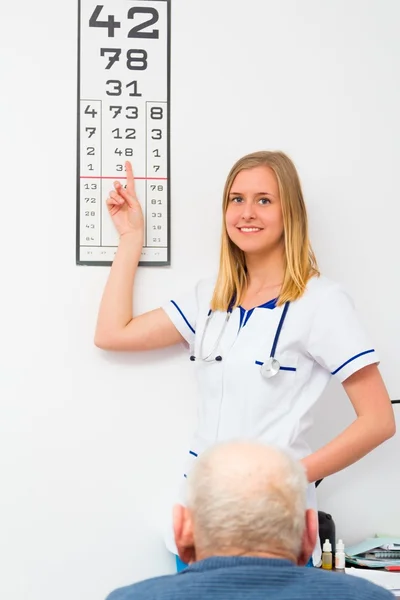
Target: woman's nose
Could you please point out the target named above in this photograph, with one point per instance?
(248, 210)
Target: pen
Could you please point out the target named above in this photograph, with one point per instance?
(393, 568)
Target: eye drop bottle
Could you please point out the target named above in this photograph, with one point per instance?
(340, 559)
(327, 556)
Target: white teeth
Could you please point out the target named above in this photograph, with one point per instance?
(248, 229)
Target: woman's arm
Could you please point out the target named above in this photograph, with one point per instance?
(374, 424)
(117, 329)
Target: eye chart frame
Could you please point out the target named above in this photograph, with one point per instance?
(118, 41)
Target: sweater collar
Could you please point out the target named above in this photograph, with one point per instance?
(220, 562)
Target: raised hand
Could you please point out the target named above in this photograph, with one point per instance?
(124, 207)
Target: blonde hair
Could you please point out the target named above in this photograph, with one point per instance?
(300, 261)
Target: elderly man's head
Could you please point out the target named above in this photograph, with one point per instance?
(245, 499)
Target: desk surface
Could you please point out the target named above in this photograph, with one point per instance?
(390, 581)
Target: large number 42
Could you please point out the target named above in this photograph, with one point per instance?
(136, 32)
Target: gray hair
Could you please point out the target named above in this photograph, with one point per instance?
(247, 496)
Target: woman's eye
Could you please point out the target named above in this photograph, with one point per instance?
(237, 199)
(264, 201)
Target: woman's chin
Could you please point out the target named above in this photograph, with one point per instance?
(251, 247)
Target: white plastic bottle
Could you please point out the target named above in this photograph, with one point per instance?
(340, 558)
(327, 555)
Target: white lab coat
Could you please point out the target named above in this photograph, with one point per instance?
(321, 336)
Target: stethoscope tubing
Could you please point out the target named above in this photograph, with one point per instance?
(218, 358)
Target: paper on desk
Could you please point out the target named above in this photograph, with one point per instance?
(371, 562)
(370, 543)
(390, 581)
(360, 554)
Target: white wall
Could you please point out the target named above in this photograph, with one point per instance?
(90, 442)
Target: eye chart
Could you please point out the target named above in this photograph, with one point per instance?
(123, 114)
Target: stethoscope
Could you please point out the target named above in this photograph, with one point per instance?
(269, 368)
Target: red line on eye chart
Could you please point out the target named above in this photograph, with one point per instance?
(118, 177)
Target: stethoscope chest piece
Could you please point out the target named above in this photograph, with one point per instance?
(270, 368)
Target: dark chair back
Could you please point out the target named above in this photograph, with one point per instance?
(327, 530)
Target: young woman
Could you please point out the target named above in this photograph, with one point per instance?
(267, 334)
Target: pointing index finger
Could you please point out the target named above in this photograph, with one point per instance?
(130, 180)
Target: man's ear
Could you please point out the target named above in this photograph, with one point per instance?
(183, 531)
(309, 537)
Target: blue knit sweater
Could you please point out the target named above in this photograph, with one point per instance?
(231, 578)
